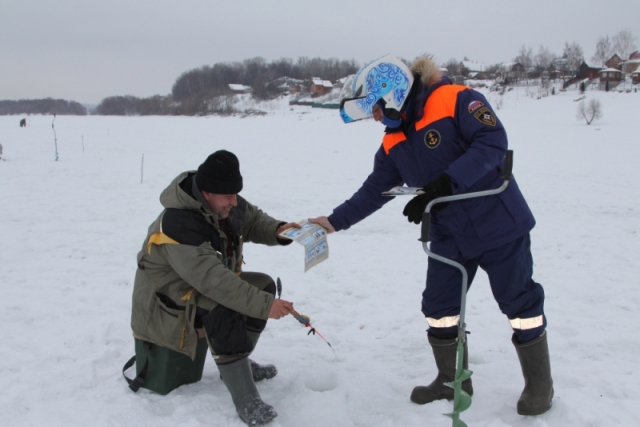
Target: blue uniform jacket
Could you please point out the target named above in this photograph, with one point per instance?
(450, 128)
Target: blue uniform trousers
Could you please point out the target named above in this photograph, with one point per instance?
(509, 268)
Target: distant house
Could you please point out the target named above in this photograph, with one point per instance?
(465, 67)
(610, 78)
(585, 71)
(480, 75)
(632, 64)
(320, 87)
(551, 72)
(560, 69)
(238, 88)
(287, 84)
(614, 62)
(635, 77)
(511, 71)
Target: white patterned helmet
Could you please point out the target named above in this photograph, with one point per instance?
(386, 78)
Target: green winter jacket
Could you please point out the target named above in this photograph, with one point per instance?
(183, 264)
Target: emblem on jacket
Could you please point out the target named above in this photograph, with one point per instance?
(484, 115)
(432, 138)
(474, 105)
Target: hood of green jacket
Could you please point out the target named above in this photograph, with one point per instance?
(174, 196)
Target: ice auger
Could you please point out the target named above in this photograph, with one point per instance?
(461, 399)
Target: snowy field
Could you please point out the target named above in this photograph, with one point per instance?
(71, 230)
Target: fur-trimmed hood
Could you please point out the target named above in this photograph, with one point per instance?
(427, 69)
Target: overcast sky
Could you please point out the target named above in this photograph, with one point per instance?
(86, 50)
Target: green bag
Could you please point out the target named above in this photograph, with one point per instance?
(161, 370)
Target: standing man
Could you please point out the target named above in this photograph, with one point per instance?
(190, 275)
(447, 140)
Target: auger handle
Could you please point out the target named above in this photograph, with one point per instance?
(426, 215)
(508, 166)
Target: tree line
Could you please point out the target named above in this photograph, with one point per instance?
(205, 90)
(42, 106)
(572, 56)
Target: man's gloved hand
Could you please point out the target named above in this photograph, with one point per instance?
(439, 187)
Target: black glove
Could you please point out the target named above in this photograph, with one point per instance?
(439, 187)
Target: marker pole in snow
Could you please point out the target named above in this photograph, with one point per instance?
(461, 399)
(55, 138)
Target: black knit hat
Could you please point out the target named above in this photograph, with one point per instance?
(220, 174)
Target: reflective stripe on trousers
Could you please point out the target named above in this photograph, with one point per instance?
(518, 323)
(529, 323)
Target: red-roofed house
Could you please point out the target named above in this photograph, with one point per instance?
(320, 87)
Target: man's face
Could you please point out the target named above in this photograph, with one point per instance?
(220, 204)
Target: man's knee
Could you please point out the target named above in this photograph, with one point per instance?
(271, 288)
(226, 331)
(258, 325)
(259, 280)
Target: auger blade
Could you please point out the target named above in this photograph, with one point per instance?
(464, 375)
(456, 421)
(461, 399)
(462, 403)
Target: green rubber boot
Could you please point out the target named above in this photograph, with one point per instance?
(238, 378)
(260, 372)
(444, 352)
(536, 369)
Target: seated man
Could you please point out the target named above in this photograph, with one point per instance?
(189, 276)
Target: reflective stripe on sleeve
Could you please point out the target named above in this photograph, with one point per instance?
(443, 322)
(530, 323)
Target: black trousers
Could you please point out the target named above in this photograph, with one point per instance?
(226, 329)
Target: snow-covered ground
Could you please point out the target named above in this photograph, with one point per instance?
(71, 230)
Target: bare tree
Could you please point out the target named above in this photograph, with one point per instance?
(452, 66)
(604, 51)
(573, 53)
(589, 111)
(624, 43)
(525, 57)
(544, 57)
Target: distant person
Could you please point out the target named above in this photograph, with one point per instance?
(23, 123)
(446, 140)
(0, 151)
(192, 259)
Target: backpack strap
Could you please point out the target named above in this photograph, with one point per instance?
(138, 381)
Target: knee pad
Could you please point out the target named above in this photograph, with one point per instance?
(271, 288)
(227, 331)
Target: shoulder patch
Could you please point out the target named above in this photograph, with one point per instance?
(474, 105)
(432, 138)
(485, 116)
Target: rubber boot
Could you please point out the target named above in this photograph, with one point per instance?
(444, 351)
(536, 369)
(260, 372)
(250, 407)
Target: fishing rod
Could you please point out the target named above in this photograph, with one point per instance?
(303, 318)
